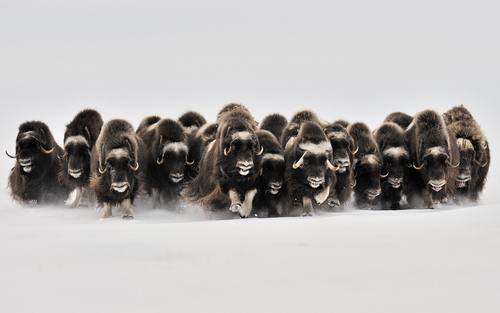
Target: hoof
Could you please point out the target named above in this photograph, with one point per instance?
(235, 208)
(127, 217)
(334, 203)
(307, 213)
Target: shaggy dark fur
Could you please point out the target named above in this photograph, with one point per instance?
(148, 121)
(343, 150)
(402, 119)
(79, 140)
(368, 164)
(390, 138)
(167, 160)
(192, 121)
(272, 192)
(474, 155)
(118, 164)
(434, 155)
(229, 166)
(275, 123)
(34, 177)
(308, 172)
(292, 129)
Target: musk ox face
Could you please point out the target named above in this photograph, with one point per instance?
(312, 163)
(172, 158)
(240, 149)
(76, 158)
(342, 147)
(272, 172)
(31, 153)
(434, 168)
(118, 168)
(367, 172)
(469, 165)
(395, 165)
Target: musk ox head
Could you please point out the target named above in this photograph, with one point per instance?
(272, 168)
(390, 138)
(469, 163)
(35, 148)
(240, 147)
(312, 153)
(171, 150)
(367, 172)
(434, 167)
(117, 156)
(343, 148)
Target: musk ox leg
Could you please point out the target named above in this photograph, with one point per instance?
(78, 198)
(235, 201)
(428, 201)
(155, 200)
(247, 204)
(125, 206)
(307, 207)
(106, 210)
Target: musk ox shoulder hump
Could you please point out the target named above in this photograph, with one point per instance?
(275, 123)
(170, 129)
(192, 119)
(147, 122)
(304, 116)
(269, 142)
(113, 133)
(312, 132)
(429, 120)
(389, 134)
(457, 113)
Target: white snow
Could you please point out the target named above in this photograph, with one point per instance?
(355, 60)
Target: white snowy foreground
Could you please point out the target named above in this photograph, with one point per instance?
(68, 260)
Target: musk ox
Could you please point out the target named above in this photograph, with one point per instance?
(34, 177)
(474, 154)
(367, 168)
(291, 131)
(230, 165)
(343, 151)
(309, 173)
(167, 154)
(272, 192)
(274, 123)
(118, 163)
(390, 138)
(435, 157)
(191, 122)
(79, 140)
(402, 119)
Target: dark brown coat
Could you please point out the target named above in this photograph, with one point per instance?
(34, 177)
(434, 155)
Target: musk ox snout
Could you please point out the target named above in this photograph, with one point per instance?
(437, 185)
(244, 167)
(372, 193)
(176, 177)
(75, 173)
(120, 187)
(395, 182)
(315, 181)
(274, 187)
(342, 164)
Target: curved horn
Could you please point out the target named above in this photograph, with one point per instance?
(159, 162)
(261, 150)
(477, 162)
(354, 152)
(384, 176)
(47, 151)
(63, 156)
(409, 165)
(419, 167)
(10, 156)
(330, 166)
(136, 166)
(190, 163)
(226, 153)
(101, 171)
(299, 162)
(453, 166)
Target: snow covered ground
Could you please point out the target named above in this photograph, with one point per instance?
(355, 60)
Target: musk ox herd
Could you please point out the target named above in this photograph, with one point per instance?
(239, 165)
